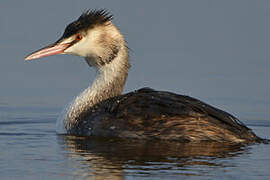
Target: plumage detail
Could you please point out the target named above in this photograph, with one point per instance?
(150, 114)
(87, 20)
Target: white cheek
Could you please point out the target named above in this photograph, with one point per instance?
(81, 48)
(88, 46)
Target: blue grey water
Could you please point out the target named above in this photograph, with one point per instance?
(216, 51)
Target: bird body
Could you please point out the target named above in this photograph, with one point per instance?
(102, 110)
(150, 114)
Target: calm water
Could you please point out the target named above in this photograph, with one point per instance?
(216, 51)
(30, 149)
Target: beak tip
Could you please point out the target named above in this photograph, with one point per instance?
(27, 58)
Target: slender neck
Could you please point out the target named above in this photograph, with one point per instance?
(109, 82)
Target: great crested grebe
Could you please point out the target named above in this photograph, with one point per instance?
(101, 110)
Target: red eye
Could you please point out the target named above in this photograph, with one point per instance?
(78, 37)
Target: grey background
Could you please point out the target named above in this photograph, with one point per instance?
(217, 51)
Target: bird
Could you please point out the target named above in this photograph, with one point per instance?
(101, 110)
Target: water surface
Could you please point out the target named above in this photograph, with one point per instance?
(30, 149)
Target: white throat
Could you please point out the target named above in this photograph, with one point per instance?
(109, 82)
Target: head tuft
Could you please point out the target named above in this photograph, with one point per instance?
(87, 20)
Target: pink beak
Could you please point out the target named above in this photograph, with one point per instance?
(48, 51)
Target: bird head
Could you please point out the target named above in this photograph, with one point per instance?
(92, 36)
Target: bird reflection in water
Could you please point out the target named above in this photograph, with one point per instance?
(114, 158)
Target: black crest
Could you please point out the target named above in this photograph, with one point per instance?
(86, 20)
